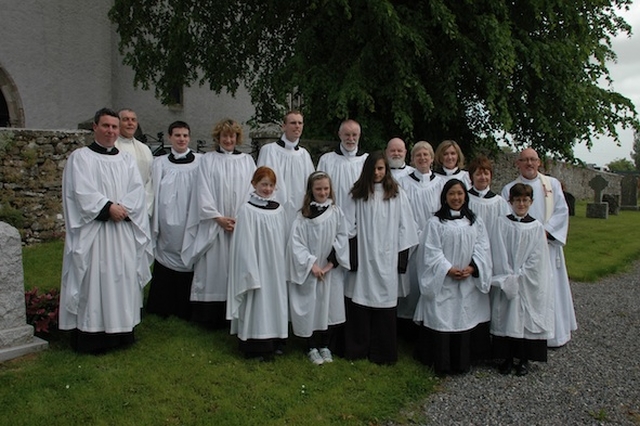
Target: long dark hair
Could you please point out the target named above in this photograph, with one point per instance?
(363, 187)
(445, 211)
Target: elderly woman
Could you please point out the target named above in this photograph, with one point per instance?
(449, 162)
(224, 184)
(423, 191)
(455, 275)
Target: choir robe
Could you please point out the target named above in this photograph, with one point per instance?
(459, 174)
(448, 305)
(491, 208)
(144, 160)
(384, 228)
(292, 168)
(173, 182)
(423, 192)
(522, 288)
(454, 314)
(257, 304)
(344, 171)
(401, 172)
(554, 215)
(106, 263)
(224, 185)
(315, 304)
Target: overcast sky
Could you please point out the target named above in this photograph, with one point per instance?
(626, 81)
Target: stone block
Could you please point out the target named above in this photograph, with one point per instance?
(598, 210)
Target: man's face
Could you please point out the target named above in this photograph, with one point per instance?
(292, 127)
(528, 163)
(128, 124)
(106, 131)
(179, 139)
(395, 153)
(349, 136)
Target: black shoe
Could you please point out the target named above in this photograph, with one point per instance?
(522, 369)
(506, 366)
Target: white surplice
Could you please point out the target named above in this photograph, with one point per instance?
(223, 186)
(106, 263)
(489, 209)
(522, 287)
(445, 304)
(557, 225)
(384, 228)
(144, 160)
(257, 304)
(316, 304)
(292, 168)
(423, 192)
(173, 184)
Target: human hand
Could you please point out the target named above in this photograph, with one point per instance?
(117, 212)
(226, 223)
(317, 272)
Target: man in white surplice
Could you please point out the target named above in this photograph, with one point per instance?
(550, 208)
(291, 163)
(107, 245)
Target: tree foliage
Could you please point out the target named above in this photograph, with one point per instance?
(621, 165)
(524, 72)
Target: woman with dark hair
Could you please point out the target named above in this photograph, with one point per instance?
(384, 230)
(454, 284)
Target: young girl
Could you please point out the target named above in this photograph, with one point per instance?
(257, 304)
(449, 162)
(454, 285)
(318, 244)
(384, 229)
(522, 316)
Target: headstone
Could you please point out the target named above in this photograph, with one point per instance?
(629, 192)
(16, 336)
(598, 209)
(571, 202)
(614, 203)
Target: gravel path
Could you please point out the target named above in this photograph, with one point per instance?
(593, 380)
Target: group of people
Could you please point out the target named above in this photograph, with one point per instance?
(349, 255)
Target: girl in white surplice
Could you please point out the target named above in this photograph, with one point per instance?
(318, 246)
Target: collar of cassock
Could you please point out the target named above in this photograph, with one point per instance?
(450, 172)
(221, 150)
(419, 177)
(487, 193)
(525, 219)
(341, 151)
(96, 147)
(181, 158)
(287, 144)
(324, 205)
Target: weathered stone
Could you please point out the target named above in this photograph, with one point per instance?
(16, 336)
(629, 190)
(614, 203)
(598, 184)
(598, 210)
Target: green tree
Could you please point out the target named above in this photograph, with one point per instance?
(524, 72)
(621, 165)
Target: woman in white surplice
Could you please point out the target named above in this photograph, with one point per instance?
(454, 284)
(318, 246)
(257, 304)
(224, 184)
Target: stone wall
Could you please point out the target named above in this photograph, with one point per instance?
(32, 162)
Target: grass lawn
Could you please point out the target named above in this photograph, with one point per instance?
(178, 373)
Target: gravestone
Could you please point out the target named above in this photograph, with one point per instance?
(613, 200)
(629, 192)
(16, 336)
(598, 209)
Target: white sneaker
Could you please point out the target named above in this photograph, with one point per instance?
(325, 353)
(314, 357)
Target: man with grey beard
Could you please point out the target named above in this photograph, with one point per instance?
(396, 154)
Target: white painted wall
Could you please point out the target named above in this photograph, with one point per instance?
(63, 58)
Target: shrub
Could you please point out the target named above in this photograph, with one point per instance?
(42, 309)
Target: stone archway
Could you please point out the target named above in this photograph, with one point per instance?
(11, 111)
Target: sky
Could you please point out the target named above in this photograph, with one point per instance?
(626, 81)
